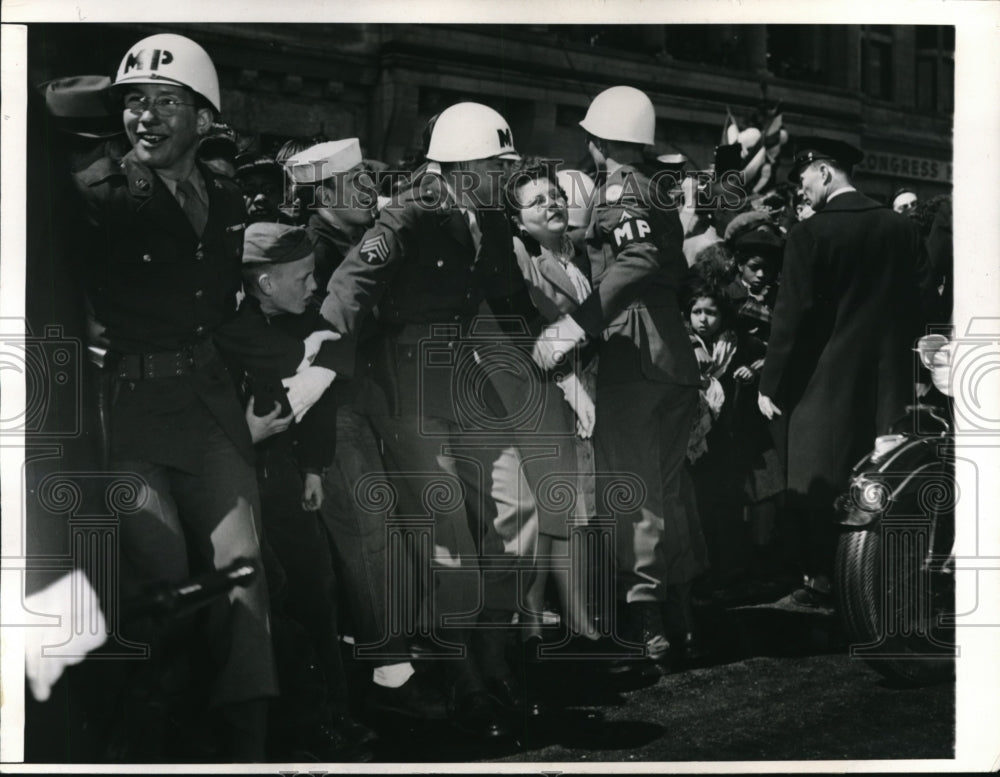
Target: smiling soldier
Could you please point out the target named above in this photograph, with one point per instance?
(163, 267)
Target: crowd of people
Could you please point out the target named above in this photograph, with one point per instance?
(470, 415)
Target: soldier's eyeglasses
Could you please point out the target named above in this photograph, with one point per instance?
(164, 106)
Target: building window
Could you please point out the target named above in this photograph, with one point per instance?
(926, 83)
(935, 71)
(799, 52)
(876, 62)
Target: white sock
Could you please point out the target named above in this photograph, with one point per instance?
(393, 675)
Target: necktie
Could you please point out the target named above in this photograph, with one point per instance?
(191, 204)
(477, 234)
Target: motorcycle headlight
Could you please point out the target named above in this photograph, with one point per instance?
(870, 495)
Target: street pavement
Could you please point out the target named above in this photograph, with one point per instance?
(778, 685)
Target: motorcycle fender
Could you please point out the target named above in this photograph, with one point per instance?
(856, 518)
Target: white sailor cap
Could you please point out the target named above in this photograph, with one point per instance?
(324, 160)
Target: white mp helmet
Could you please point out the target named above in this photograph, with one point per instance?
(468, 131)
(172, 59)
(621, 113)
(579, 190)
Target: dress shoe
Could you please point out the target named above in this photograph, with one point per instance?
(812, 599)
(480, 715)
(416, 698)
(353, 731)
(515, 697)
(326, 744)
(688, 649)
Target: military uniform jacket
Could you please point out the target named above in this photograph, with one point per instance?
(419, 264)
(839, 358)
(158, 288)
(637, 266)
(332, 246)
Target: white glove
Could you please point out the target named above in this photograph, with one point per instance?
(767, 407)
(312, 344)
(58, 599)
(582, 403)
(558, 339)
(306, 387)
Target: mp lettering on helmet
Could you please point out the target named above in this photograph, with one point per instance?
(134, 61)
(506, 139)
(632, 231)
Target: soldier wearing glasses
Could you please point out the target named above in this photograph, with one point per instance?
(163, 263)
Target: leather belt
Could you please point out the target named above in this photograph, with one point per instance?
(162, 364)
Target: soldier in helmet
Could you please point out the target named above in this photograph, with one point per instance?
(335, 186)
(162, 263)
(647, 384)
(429, 263)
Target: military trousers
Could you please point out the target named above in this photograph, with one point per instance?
(357, 530)
(640, 440)
(188, 523)
(466, 499)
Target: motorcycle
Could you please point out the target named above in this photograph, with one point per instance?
(894, 567)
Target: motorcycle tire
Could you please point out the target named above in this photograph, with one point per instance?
(891, 607)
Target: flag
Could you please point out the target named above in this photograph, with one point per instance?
(730, 130)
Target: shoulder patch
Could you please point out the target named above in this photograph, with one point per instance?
(632, 230)
(375, 250)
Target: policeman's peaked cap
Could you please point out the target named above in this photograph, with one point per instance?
(814, 149)
(170, 59)
(621, 113)
(268, 242)
(465, 132)
(324, 160)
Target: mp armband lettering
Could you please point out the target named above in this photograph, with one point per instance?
(633, 230)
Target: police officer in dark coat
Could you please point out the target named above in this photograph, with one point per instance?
(839, 360)
(162, 262)
(647, 383)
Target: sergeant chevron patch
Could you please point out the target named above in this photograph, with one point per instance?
(375, 250)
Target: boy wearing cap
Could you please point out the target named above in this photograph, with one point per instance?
(756, 244)
(278, 264)
(838, 361)
(263, 183)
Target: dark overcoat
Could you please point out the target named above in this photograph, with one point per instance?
(839, 362)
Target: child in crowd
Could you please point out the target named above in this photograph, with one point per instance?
(732, 460)
(756, 244)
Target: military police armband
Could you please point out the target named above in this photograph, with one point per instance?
(631, 229)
